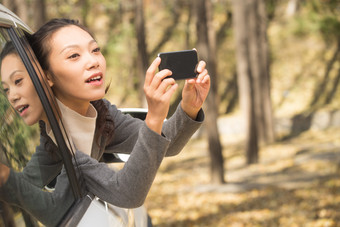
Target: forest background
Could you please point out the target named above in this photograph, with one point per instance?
(275, 70)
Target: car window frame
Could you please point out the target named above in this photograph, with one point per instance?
(81, 202)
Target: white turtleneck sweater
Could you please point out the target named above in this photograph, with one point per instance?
(80, 129)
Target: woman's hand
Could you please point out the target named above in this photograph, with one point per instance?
(4, 174)
(195, 91)
(158, 92)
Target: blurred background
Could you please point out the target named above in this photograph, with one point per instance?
(268, 153)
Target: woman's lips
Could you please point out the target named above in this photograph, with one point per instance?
(95, 79)
(22, 109)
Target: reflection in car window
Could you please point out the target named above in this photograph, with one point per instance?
(23, 197)
(17, 142)
(17, 139)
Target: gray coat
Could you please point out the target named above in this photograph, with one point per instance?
(126, 188)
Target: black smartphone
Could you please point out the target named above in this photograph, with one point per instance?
(182, 64)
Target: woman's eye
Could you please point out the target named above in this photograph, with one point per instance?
(17, 81)
(6, 90)
(96, 49)
(73, 56)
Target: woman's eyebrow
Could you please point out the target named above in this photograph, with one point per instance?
(68, 47)
(11, 75)
(14, 72)
(76, 45)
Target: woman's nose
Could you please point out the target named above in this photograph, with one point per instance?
(92, 61)
(13, 96)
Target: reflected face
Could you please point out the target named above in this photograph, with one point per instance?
(77, 67)
(20, 90)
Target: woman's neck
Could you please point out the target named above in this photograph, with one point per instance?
(79, 107)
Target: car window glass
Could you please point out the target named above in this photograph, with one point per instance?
(28, 196)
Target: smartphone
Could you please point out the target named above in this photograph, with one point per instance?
(182, 64)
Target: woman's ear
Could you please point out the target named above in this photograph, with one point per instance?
(49, 79)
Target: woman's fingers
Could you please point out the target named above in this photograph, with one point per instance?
(151, 71)
(164, 88)
(166, 85)
(201, 76)
(203, 72)
(201, 66)
(206, 78)
(158, 80)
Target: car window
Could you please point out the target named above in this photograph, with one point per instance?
(24, 198)
(17, 139)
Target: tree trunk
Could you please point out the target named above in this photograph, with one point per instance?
(206, 46)
(20, 8)
(168, 31)
(142, 57)
(31, 12)
(245, 79)
(39, 15)
(259, 61)
(253, 73)
(84, 10)
(187, 25)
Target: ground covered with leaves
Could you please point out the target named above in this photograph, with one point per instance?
(296, 183)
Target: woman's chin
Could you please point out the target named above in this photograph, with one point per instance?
(29, 122)
(98, 96)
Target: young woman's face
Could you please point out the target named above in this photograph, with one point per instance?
(20, 90)
(77, 67)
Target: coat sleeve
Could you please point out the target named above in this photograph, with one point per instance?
(47, 207)
(129, 186)
(44, 165)
(178, 129)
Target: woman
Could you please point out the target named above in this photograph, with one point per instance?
(71, 59)
(76, 70)
(14, 74)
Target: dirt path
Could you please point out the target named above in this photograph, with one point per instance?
(296, 183)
